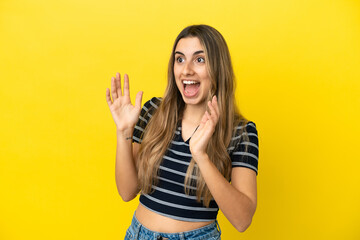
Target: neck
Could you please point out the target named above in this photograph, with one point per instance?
(194, 113)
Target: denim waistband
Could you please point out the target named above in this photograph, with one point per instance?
(211, 231)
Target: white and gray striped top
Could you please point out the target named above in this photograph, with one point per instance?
(169, 198)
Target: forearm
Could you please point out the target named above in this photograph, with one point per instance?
(125, 168)
(236, 206)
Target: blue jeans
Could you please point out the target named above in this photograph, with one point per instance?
(139, 232)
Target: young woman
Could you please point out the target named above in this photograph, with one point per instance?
(181, 151)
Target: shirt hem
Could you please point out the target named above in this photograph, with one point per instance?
(177, 217)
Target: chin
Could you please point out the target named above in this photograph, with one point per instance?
(193, 101)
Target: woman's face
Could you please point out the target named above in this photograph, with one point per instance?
(191, 74)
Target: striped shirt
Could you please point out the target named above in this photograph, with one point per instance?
(169, 198)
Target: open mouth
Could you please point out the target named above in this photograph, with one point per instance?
(191, 87)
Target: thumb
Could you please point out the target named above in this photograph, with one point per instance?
(138, 99)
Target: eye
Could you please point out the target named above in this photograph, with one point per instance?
(200, 60)
(180, 59)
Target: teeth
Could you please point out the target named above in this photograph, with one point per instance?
(189, 82)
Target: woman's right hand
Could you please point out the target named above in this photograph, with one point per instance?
(123, 112)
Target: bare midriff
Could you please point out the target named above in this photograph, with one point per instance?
(158, 223)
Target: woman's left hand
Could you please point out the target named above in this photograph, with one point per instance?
(201, 137)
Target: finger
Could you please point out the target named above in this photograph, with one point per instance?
(118, 84)
(108, 99)
(213, 112)
(204, 118)
(126, 86)
(208, 116)
(113, 89)
(202, 122)
(210, 121)
(138, 99)
(216, 105)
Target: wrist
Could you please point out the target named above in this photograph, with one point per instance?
(200, 156)
(125, 133)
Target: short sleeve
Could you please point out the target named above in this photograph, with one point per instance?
(146, 113)
(242, 157)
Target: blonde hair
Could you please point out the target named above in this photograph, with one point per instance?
(161, 127)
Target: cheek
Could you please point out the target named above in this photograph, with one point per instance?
(206, 78)
(202, 71)
(207, 85)
(176, 70)
(177, 80)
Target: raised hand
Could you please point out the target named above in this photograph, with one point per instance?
(123, 112)
(200, 139)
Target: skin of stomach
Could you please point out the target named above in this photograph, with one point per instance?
(158, 223)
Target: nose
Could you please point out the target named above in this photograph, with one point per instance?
(188, 69)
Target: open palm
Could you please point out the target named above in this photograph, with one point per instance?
(200, 139)
(123, 112)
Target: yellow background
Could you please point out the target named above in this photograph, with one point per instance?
(298, 75)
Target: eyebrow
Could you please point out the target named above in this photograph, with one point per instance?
(195, 53)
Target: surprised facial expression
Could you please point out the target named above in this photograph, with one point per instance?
(191, 74)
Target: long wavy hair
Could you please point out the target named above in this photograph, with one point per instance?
(160, 129)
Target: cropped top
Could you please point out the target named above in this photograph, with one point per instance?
(169, 198)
